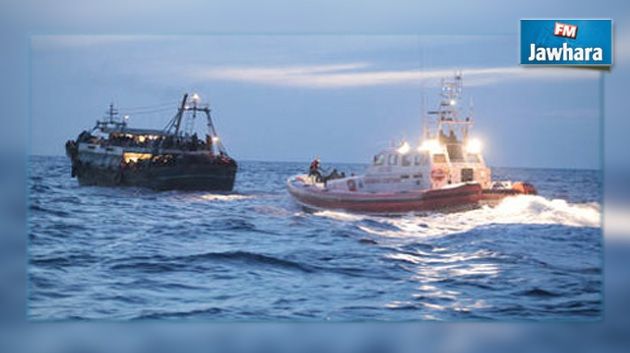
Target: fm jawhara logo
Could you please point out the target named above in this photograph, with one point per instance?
(568, 42)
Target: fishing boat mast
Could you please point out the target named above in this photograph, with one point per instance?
(192, 105)
(110, 120)
(180, 114)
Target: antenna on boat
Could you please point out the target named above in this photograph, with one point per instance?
(110, 120)
(190, 121)
(469, 118)
(111, 113)
(423, 113)
(423, 99)
(180, 114)
(213, 136)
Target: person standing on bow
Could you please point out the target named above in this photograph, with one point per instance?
(314, 171)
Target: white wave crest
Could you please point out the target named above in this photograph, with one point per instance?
(526, 209)
(224, 197)
(539, 210)
(340, 215)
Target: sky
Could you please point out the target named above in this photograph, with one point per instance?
(293, 97)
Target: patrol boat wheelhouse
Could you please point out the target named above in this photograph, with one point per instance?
(113, 154)
(446, 172)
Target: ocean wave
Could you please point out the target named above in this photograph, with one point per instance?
(524, 209)
(340, 216)
(158, 263)
(531, 209)
(194, 313)
(225, 197)
(125, 253)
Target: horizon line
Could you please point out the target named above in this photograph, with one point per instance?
(363, 163)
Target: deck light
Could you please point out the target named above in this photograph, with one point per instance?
(473, 146)
(432, 146)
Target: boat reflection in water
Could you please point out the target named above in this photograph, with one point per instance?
(112, 154)
(446, 172)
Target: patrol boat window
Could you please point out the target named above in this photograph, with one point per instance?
(392, 159)
(420, 159)
(406, 160)
(379, 159)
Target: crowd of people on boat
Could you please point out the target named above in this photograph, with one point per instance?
(193, 143)
(158, 159)
(448, 139)
(163, 160)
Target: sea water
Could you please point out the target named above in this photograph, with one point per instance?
(254, 255)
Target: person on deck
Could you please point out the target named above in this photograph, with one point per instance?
(452, 138)
(313, 170)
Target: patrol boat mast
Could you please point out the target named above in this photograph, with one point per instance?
(447, 115)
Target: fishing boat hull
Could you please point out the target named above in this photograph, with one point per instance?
(100, 167)
(449, 199)
(196, 177)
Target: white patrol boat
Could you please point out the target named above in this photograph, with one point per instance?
(446, 172)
